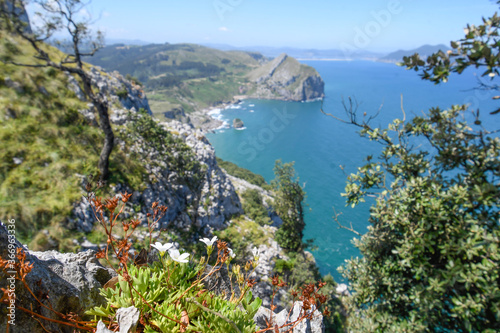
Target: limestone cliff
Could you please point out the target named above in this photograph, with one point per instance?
(287, 79)
(204, 197)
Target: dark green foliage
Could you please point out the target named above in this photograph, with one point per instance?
(299, 270)
(282, 266)
(243, 173)
(174, 151)
(289, 196)
(431, 259)
(122, 93)
(166, 81)
(254, 207)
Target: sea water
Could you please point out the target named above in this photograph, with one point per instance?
(326, 150)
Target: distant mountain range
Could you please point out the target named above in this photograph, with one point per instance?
(314, 54)
(424, 51)
(299, 53)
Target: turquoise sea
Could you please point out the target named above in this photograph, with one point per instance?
(326, 150)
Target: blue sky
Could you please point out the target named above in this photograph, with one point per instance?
(372, 25)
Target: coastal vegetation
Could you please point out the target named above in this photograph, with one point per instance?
(430, 258)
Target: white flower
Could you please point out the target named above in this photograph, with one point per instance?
(209, 242)
(176, 256)
(231, 253)
(255, 252)
(491, 75)
(162, 248)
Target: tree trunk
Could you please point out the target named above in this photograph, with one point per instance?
(109, 139)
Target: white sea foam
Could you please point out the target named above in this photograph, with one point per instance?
(214, 112)
(252, 110)
(241, 128)
(224, 125)
(251, 105)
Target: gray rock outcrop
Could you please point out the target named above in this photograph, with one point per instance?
(288, 316)
(127, 318)
(208, 205)
(268, 254)
(20, 12)
(285, 78)
(66, 282)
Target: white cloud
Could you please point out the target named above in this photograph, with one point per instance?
(225, 29)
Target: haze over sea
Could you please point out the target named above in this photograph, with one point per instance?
(320, 145)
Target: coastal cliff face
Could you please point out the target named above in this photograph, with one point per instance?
(203, 197)
(286, 79)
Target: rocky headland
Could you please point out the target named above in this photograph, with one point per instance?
(284, 78)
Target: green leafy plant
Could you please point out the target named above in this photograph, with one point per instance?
(171, 293)
(430, 257)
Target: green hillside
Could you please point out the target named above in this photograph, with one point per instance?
(47, 148)
(187, 76)
(182, 78)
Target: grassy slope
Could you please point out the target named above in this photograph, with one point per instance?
(40, 124)
(180, 75)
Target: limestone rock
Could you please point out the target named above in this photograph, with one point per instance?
(209, 205)
(287, 79)
(101, 328)
(285, 316)
(268, 254)
(128, 318)
(67, 282)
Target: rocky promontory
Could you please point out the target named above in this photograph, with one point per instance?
(285, 78)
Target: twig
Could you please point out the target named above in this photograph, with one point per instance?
(335, 217)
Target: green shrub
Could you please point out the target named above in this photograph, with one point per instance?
(254, 208)
(243, 173)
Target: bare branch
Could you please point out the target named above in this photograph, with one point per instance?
(341, 226)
